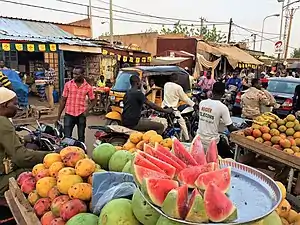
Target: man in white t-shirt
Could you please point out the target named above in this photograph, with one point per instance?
(212, 112)
(173, 93)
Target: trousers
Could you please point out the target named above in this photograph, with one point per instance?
(183, 126)
(49, 94)
(146, 124)
(71, 121)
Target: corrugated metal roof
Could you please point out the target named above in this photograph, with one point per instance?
(24, 30)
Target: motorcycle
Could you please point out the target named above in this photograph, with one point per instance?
(47, 138)
(198, 95)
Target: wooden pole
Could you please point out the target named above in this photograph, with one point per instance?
(288, 35)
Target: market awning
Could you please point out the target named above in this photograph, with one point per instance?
(167, 60)
(233, 54)
(86, 49)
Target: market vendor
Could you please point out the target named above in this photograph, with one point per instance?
(14, 157)
(213, 113)
(101, 82)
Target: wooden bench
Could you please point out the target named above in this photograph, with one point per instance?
(19, 205)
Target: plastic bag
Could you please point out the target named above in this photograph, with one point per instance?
(110, 185)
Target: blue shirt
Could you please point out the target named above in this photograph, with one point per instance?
(236, 82)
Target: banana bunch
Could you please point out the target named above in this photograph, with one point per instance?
(266, 119)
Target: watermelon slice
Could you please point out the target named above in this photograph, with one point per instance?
(218, 206)
(158, 189)
(176, 202)
(148, 149)
(196, 211)
(212, 152)
(141, 173)
(163, 166)
(183, 154)
(189, 175)
(166, 159)
(197, 151)
(165, 151)
(142, 161)
(221, 178)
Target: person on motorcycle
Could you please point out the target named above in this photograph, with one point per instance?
(253, 99)
(14, 157)
(134, 100)
(213, 113)
(234, 83)
(173, 93)
(206, 84)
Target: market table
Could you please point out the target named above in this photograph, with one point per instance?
(279, 156)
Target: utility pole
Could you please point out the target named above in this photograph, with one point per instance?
(254, 40)
(201, 26)
(229, 31)
(281, 26)
(111, 22)
(90, 16)
(289, 34)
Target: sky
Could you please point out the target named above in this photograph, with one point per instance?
(246, 14)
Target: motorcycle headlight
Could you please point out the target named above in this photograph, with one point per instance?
(121, 104)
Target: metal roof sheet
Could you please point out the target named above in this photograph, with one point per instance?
(24, 30)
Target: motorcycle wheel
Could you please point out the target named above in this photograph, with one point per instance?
(113, 122)
(117, 141)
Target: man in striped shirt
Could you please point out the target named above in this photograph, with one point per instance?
(4, 82)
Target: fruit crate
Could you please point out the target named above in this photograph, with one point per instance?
(21, 209)
(265, 150)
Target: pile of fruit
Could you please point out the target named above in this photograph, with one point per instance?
(137, 140)
(266, 119)
(60, 189)
(287, 215)
(282, 134)
(165, 178)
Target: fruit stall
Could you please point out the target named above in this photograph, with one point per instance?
(274, 138)
(166, 184)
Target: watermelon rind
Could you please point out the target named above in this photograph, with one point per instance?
(182, 153)
(197, 151)
(140, 173)
(221, 177)
(156, 190)
(169, 207)
(196, 212)
(219, 207)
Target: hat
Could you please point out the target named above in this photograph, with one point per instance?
(6, 95)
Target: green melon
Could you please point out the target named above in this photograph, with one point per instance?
(83, 219)
(143, 211)
(127, 167)
(119, 160)
(165, 221)
(102, 154)
(118, 211)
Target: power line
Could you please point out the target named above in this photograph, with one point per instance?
(101, 17)
(256, 31)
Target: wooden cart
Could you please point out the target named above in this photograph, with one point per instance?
(19, 205)
(291, 161)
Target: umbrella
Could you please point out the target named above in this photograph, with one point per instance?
(295, 65)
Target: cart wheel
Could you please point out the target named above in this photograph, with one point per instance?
(113, 122)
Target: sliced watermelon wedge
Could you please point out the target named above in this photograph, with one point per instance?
(158, 189)
(176, 202)
(166, 159)
(163, 166)
(141, 173)
(183, 154)
(142, 161)
(166, 152)
(218, 206)
(212, 152)
(197, 151)
(196, 211)
(189, 175)
(148, 149)
(221, 178)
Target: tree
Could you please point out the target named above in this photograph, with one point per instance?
(212, 35)
(296, 53)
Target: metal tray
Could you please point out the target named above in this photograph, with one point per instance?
(254, 194)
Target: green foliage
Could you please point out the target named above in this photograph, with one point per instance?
(296, 53)
(212, 34)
